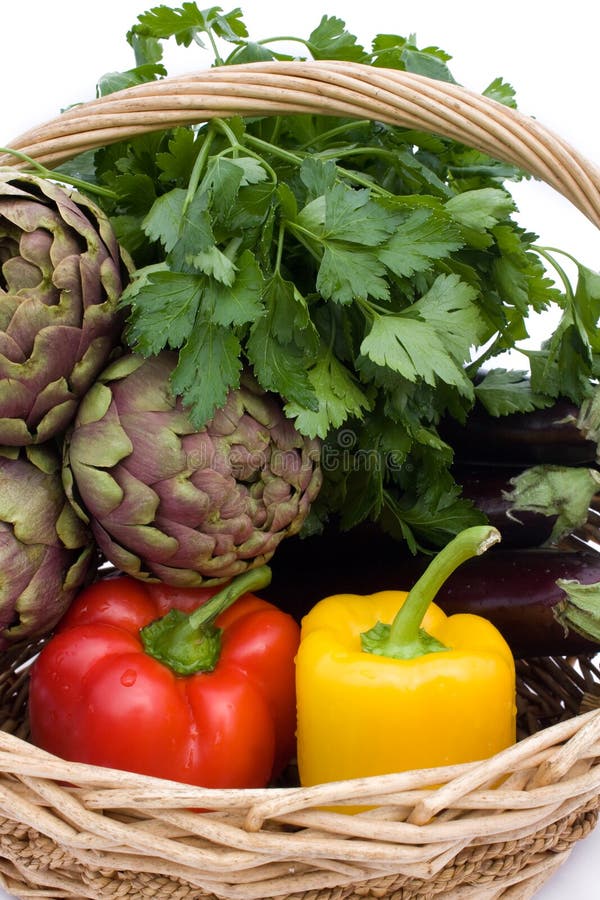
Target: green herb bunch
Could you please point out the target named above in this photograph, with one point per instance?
(368, 274)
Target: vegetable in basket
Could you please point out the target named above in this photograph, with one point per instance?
(168, 501)
(427, 690)
(531, 595)
(560, 434)
(46, 552)
(184, 684)
(366, 272)
(62, 274)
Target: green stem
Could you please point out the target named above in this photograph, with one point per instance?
(405, 638)
(198, 167)
(227, 131)
(347, 152)
(296, 160)
(236, 148)
(39, 168)
(470, 542)
(364, 182)
(306, 238)
(267, 147)
(334, 132)
(499, 345)
(242, 45)
(252, 580)
(546, 253)
(190, 642)
(288, 38)
(44, 172)
(280, 244)
(213, 44)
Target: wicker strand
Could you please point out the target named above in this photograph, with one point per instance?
(51, 866)
(325, 87)
(491, 830)
(280, 842)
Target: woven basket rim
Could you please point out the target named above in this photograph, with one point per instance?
(552, 748)
(329, 87)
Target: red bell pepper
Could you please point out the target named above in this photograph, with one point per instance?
(165, 682)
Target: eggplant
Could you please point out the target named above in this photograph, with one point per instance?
(544, 436)
(359, 561)
(487, 488)
(514, 588)
(517, 591)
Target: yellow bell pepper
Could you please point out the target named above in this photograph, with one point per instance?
(427, 690)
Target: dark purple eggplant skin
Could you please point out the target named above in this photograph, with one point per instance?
(544, 436)
(486, 487)
(360, 561)
(514, 588)
(517, 591)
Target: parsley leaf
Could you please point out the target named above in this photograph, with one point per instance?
(187, 22)
(561, 491)
(339, 398)
(280, 367)
(207, 369)
(346, 274)
(365, 273)
(195, 235)
(411, 347)
(240, 302)
(330, 40)
(163, 221)
(162, 309)
(481, 209)
(423, 237)
(119, 81)
(346, 215)
(403, 53)
(289, 315)
(450, 306)
(503, 392)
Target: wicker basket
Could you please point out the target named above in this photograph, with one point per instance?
(497, 828)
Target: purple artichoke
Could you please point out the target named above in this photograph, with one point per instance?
(61, 275)
(46, 553)
(169, 502)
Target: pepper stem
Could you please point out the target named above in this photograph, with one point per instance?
(404, 638)
(190, 642)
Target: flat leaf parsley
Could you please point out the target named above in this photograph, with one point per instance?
(365, 273)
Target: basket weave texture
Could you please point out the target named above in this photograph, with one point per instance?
(487, 830)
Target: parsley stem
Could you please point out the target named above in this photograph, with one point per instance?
(334, 132)
(198, 168)
(372, 310)
(365, 182)
(227, 131)
(305, 237)
(284, 37)
(242, 45)
(218, 58)
(339, 153)
(297, 160)
(267, 147)
(547, 254)
(43, 172)
(280, 243)
(235, 149)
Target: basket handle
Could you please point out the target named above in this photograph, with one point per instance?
(327, 87)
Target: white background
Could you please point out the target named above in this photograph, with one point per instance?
(51, 54)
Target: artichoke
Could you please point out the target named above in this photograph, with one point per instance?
(168, 501)
(46, 552)
(61, 276)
